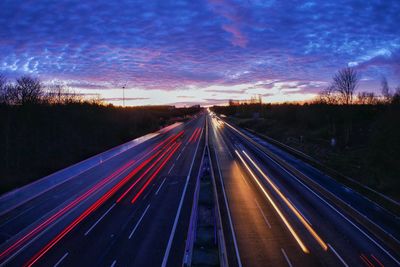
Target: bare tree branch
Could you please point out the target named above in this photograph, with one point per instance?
(345, 83)
(27, 90)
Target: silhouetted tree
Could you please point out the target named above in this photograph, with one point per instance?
(366, 98)
(345, 83)
(395, 99)
(3, 91)
(60, 94)
(27, 90)
(385, 89)
(328, 96)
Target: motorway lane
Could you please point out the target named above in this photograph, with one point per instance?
(136, 235)
(181, 163)
(352, 246)
(261, 238)
(380, 216)
(34, 210)
(348, 237)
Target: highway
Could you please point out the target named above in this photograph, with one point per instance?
(134, 209)
(130, 210)
(276, 218)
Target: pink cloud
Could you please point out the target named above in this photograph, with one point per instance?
(238, 37)
(229, 11)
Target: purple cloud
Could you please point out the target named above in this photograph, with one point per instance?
(179, 45)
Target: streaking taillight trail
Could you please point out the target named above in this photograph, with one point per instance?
(63, 211)
(145, 173)
(193, 134)
(110, 193)
(155, 173)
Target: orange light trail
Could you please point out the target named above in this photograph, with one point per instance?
(283, 218)
(290, 205)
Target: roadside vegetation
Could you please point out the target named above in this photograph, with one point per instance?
(44, 129)
(355, 133)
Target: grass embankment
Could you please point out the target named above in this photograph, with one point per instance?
(39, 139)
(367, 137)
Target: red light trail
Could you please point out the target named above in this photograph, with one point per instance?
(106, 196)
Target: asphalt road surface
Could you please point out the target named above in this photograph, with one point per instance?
(276, 218)
(132, 210)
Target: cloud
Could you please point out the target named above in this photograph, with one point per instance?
(384, 59)
(181, 45)
(232, 13)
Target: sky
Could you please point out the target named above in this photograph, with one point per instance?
(200, 51)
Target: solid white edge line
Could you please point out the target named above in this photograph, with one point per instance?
(228, 210)
(60, 260)
(178, 212)
(160, 185)
(94, 225)
(286, 257)
(337, 255)
(137, 224)
(262, 213)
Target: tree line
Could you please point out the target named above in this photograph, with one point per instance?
(342, 90)
(30, 90)
(46, 128)
(355, 133)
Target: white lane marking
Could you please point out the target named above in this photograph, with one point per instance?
(337, 255)
(170, 169)
(148, 193)
(178, 212)
(137, 224)
(228, 211)
(244, 179)
(328, 204)
(262, 212)
(179, 156)
(121, 174)
(286, 257)
(160, 186)
(113, 263)
(302, 214)
(60, 260)
(94, 225)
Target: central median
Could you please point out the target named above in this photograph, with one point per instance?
(205, 244)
